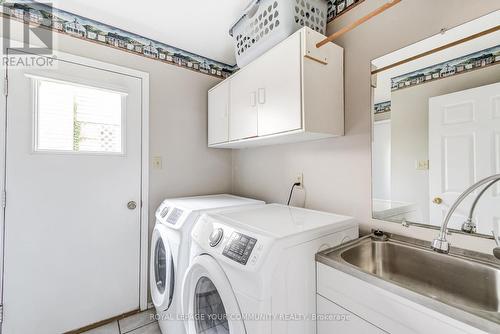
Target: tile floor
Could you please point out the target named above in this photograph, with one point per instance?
(140, 323)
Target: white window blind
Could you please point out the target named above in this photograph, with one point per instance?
(77, 118)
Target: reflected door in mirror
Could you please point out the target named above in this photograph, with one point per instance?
(464, 147)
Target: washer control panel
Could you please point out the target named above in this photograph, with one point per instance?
(239, 247)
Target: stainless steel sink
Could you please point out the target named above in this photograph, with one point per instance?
(465, 280)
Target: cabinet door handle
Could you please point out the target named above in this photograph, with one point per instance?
(253, 99)
(262, 95)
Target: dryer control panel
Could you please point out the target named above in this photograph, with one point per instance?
(239, 247)
(173, 217)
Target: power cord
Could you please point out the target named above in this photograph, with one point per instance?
(296, 184)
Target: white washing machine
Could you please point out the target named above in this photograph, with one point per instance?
(170, 244)
(252, 270)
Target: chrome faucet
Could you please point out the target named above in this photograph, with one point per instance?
(440, 244)
(469, 226)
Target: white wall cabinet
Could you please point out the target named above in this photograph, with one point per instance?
(294, 92)
(243, 97)
(218, 118)
(278, 89)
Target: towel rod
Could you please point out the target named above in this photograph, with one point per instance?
(440, 48)
(358, 22)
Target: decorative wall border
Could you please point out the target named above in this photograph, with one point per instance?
(339, 7)
(464, 64)
(60, 21)
(382, 107)
(67, 23)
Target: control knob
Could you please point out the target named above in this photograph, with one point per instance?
(216, 237)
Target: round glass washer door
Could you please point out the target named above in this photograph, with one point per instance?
(208, 297)
(209, 308)
(161, 273)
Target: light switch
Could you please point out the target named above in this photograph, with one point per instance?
(422, 164)
(157, 163)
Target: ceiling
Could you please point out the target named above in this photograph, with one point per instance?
(199, 26)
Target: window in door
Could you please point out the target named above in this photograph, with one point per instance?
(77, 118)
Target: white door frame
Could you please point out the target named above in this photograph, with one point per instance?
(144, 207)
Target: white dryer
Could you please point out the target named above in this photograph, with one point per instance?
(252, 270)
(170, 244)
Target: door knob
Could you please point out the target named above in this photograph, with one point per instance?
(437, 200)
(131, 205)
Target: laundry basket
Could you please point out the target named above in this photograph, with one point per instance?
(265, 23)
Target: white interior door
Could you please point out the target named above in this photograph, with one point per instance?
(464, 147)
(72, 245)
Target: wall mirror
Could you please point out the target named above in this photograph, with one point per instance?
(436, 127)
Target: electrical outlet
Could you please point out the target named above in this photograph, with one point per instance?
(157, 163)
(300, 179)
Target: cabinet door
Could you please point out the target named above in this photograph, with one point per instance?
(279, 88)
(340, 320)
(243, 104)
(218, 109)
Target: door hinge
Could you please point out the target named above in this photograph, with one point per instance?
(1, 314)
(4, 198)
(5, 86)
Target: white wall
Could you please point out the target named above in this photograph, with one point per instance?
(337, 173)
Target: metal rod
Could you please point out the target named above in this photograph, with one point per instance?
(357, 22)
(478, 197)
(441, 48)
